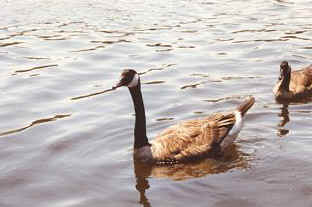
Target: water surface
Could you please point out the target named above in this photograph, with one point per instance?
(195, 57)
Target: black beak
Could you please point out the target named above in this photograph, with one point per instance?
(120, 83)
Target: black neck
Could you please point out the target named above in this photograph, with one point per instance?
(286, 81)
(140, 138)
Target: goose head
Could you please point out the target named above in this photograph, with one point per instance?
(129, 78)
(281, 89)
(285, 70)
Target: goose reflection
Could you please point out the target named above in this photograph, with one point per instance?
(141, 175)
(285, 113)
(232, 159)
(284, 120)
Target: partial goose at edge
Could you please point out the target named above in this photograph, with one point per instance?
(293, 85)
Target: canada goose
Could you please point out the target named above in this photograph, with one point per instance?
(188, 140)
(293, 85)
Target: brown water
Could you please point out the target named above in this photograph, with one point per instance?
(196, 57)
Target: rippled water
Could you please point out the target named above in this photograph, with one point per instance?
(196, 57)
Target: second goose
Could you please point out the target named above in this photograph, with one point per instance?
(293, 84)
(188, 140)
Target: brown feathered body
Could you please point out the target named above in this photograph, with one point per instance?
(193, 139)
(297, 85)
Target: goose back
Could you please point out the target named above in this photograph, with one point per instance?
(301, 80)
(193, 138)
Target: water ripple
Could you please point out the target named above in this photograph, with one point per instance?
(35, 68)
(37, 122)
(10, 44)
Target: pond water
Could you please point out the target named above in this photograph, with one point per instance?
(196, 57)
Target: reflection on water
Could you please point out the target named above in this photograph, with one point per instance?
(142, 185)
(285, 114)
(231, 159)
(284, 120)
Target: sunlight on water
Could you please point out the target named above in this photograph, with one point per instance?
(66, 136)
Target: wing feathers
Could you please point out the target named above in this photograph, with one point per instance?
(192, 138)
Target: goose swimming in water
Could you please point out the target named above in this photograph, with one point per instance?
(186, 141)
(293, 84)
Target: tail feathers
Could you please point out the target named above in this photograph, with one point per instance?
(246, 105)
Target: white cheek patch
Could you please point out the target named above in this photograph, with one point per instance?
(134, 81)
